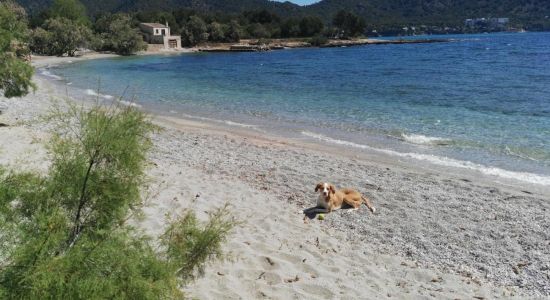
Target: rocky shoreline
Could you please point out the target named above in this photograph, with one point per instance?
(280, 44)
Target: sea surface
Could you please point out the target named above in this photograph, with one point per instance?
(480, 102)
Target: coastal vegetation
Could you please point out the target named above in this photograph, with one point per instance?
(68, 9)
(382, 17)
(117, 33)
(15, 72)
(65, 27)
(349, 24)
(60, 36)
(66, 234)
(196, 27)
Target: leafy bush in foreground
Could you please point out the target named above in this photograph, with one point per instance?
(64, 234)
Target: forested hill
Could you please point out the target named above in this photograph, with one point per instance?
(225, 6)
(440, 12)
(451, 12)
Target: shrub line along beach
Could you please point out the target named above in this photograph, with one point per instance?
(437, 233)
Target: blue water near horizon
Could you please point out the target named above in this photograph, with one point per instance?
(479, 102)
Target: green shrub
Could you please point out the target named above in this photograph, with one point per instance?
(40, 41)
(216, 32)
(65, 234)
(290, 28)
(318, 40)
(311, 26)
(194, 32)
(258, 30)
(349, 24)
(263, 42)
(189, 246)
(72, 10)
(15, 71)
(60, 36)
(118, 34)
(233, 33)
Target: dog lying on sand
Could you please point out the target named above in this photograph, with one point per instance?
(331, 199)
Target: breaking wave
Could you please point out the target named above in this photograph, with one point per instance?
(226, 122)
(443, 161)
(425, 140)
(47, 73)
(94, 93)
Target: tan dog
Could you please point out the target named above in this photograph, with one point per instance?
(331, 199)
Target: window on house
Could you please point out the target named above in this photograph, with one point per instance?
(164, 32)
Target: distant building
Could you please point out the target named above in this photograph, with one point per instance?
(158, 34)
(491, 24)
(469, 23)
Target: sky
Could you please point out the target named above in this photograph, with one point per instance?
(300, 2)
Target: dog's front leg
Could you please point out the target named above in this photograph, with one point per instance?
(320, 210)
(315, 210)
(309, 210)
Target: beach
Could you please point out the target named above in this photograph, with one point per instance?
(438, 232)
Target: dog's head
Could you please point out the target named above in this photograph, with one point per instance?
(325, 189)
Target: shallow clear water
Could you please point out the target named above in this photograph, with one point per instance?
(482, 101)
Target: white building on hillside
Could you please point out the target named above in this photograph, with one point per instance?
(155, 33)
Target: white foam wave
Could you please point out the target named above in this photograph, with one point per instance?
(226, 122)
(50, 74)
(443, 161)
(231, 123)
(425, 140)
(517, 154)
(109, 97)
(94, 93)
(128, 103)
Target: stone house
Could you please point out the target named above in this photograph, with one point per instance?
(158, 34)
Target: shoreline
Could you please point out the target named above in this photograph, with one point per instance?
(412, 165)
(41, 61)
(435, 234)
(281, 44)
(532, 183)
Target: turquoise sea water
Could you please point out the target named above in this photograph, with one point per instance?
(480, 102)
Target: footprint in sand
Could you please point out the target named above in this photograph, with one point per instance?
(316, 290)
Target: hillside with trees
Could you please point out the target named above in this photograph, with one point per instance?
(66, 26)
(228, 6)
(433, 12)
(532, 15)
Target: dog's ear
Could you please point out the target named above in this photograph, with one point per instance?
(332, 189)
(318, 187)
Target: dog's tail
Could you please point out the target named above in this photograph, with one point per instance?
(368, 204)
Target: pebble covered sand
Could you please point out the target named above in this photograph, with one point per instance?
(452, 224)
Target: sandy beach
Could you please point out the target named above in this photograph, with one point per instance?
(437, 233)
